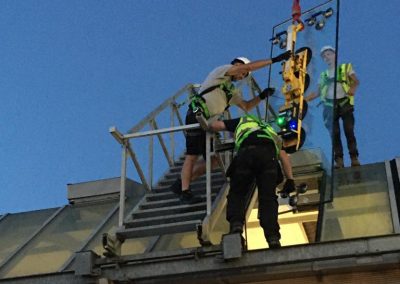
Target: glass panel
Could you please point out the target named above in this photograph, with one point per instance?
(320, 30)
(16, 229)
(309, 40)
(360, 206)
(58, 241)
(299, 109)
(177, 241)
(129, 247)
(292, 228)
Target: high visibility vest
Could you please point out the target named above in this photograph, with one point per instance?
(341, 77)
(249, 124)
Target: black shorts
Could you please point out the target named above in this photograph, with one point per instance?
(195, 138)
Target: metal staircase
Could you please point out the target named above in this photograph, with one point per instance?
(161, 212)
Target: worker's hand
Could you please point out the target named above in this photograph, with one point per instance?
(283, 56)
(267, 92)
(288, 188)
(351, 91)
(310, 97)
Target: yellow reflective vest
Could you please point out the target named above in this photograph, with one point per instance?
(341, 77)
(249, 124)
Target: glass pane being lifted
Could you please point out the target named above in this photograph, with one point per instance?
(303, 118)
(301, 113)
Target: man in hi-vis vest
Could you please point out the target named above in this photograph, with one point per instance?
(258, 148)
(346, 85)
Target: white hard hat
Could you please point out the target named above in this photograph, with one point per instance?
(327, 47)
(243, 60)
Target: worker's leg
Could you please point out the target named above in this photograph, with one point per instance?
(328, 118)
(266, 179)
(199, 168)
(348, 125)
(331, 122)
(337, 141)
(187, 169)
(195, 142)
(241, 178)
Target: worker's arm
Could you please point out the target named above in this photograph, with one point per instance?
(255, 65)
(217, 125)
(289, 185)
(311, 96)
(246, 68)
(354, 82)
(249, 105)
(286, 164)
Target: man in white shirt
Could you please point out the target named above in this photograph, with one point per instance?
(346, 85)
(215, 96)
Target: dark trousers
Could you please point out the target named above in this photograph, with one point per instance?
(331, 120)
(257, 163)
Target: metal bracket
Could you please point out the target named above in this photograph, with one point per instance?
(232, 246)
(84, 263)
(112, 245)
(203, 243)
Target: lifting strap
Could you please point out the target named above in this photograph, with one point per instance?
(296, 11)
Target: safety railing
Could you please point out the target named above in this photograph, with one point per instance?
(167, 119)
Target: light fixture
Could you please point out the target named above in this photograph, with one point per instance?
(293, 124)
(283, 44)
(279, 38)
(310, 21)
(316, 20)
(328, 13)
(276, 40)
(320, 25)
(281, 121)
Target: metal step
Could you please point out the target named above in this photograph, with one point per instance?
(180, 209)
(166, 194)
(176, 218)
(175, 169)
(177, 174)
(202, 179)
(161, 211)
(175, 201)
(198, 184)
(170, 228)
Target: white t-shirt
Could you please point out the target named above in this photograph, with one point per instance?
(340, 93)
(216, 100)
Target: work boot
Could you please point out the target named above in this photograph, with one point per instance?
(176, 187)
(355, 162)
(273, 242)
(236, 227)
(339, 163)
(187, 197)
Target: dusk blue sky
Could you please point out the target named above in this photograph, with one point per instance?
(70, 69)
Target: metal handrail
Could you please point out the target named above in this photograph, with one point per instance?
(138, 131)
(124, 140)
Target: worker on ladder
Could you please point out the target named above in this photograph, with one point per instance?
(216, 94)
(258, 148)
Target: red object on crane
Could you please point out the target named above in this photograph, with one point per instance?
(296, 11)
